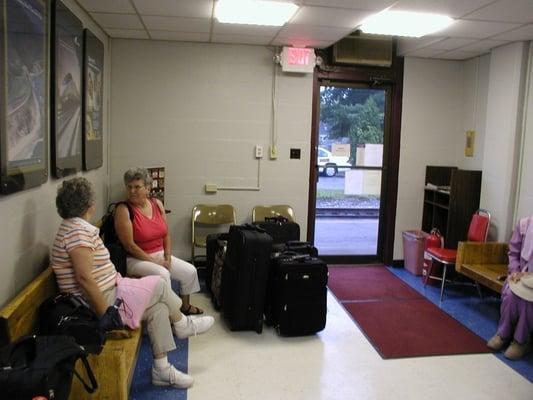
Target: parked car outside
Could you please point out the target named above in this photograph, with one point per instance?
(329, 165)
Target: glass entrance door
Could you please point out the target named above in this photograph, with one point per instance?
(351, 138)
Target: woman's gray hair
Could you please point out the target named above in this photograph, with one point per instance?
(74, 197)
(134, 174)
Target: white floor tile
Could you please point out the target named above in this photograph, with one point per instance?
(338, 363)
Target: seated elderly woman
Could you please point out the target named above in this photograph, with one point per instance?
(516, 312)
(82, 266)
(146, 238)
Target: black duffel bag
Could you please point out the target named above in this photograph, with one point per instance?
(42, 366)
(68, 314)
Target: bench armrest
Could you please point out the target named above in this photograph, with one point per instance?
(481, 253)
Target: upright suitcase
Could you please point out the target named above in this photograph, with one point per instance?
(245, 277)
(297, 295)
(280, 229)
(212, 244)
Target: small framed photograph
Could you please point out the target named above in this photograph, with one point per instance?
(66, 122)
(93, 85)
(24, 67)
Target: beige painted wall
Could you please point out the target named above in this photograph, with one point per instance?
(199, 110)
(29, 219)
(432, 126)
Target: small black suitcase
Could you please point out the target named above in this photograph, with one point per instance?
(297, 302)
(281, 230)
(295, 247)
(245, 277)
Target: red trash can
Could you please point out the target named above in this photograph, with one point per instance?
(414, 242)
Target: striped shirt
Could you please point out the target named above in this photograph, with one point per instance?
(74, 233)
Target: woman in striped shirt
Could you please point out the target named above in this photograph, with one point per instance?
(82, 266)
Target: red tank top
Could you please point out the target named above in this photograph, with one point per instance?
(148, 233)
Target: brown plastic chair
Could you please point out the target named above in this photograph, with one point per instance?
(259, 213)
(209, 216)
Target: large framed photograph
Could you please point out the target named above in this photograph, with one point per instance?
(93, 92)
(67, 61)
(23, 94)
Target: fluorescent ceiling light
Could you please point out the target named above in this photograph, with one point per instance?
(254, 12)
(405, 23)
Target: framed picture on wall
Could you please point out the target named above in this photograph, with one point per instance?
(66, 122)
(23, 94)
(93, 92)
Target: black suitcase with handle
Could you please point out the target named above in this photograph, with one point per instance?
(245, 277)
(281, 229)
(297, 303)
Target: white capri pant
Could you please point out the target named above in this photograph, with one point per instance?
(182, 271)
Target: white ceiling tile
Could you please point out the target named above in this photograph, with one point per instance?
(242, 29)
(241, 39)
(180, 36)
(484, 45)
(475, 29)
(424, 53)
(106, 6)
(175, 8)
(178, 24)
(459, 55)
(523, 33)
(127, 33)
(374, 5)
(329, 17)
(453, 8)
(505, 11)
(118, 21)
(451, 43)
(405, 45)
(324, 33)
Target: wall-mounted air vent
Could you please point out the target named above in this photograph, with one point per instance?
(364, 50)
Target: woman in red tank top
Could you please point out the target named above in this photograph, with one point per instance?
(145, 236)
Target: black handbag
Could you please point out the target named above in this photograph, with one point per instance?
(68, 314)
(42, 366)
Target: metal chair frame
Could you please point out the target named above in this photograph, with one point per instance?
(446, 263)
(209, 214)
(260, 212)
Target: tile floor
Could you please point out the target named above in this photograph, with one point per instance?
(338, 363)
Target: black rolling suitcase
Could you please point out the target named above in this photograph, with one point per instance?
(281, 229)
(297, 295)
(245, 277)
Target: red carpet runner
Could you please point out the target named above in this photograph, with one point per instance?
(396, 319)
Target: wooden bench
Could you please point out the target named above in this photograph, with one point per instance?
(485, 263)
(113, 368)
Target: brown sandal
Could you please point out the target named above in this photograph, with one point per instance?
(192, 310)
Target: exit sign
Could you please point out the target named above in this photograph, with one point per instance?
(298, 59)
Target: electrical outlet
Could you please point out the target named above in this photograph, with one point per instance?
(211, 188)
(258, 151)
(273, 152)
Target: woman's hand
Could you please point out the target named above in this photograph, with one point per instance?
(515, 276)
(164, 262)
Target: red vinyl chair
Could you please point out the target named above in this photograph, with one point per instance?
(477, 232)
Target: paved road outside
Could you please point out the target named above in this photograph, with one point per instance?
(346, 236)
(331, 183)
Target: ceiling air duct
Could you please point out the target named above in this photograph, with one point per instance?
(361, 49)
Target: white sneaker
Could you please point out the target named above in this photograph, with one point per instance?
(195, 326)
(170, 376)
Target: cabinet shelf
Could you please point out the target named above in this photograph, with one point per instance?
(450, 209)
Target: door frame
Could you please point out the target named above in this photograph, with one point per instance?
(392, 78)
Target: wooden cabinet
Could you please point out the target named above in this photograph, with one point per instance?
(451, 196)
